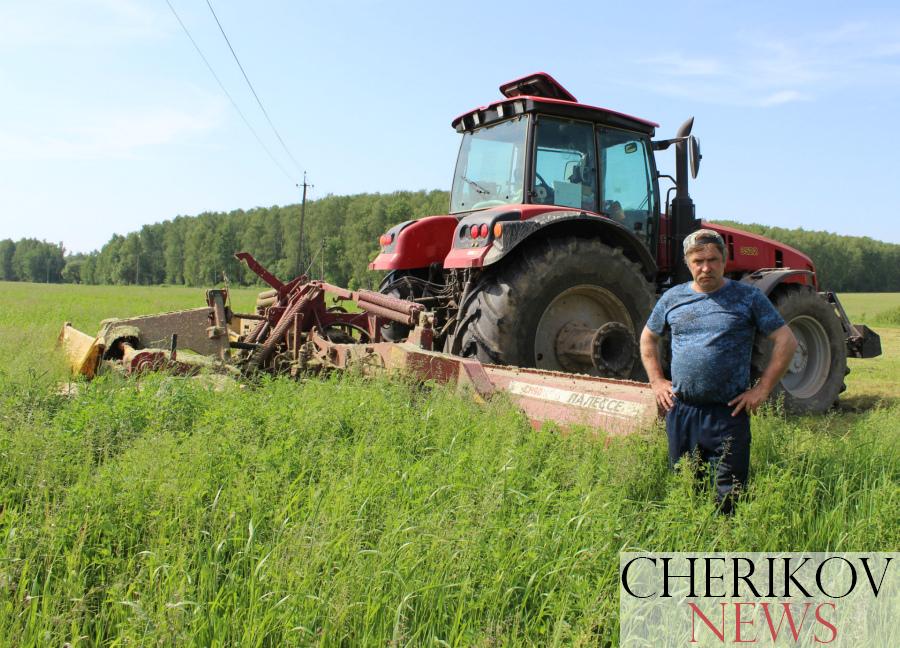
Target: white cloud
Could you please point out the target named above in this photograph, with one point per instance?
(782, 97)
(765, 71)
(118, 134)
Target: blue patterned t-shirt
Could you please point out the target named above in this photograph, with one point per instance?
(712, 337)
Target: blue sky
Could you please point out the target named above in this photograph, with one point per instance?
(109, 119)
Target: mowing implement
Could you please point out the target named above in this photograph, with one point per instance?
(295, 332)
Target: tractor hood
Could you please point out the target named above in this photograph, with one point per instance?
(415, 243)
(749, 252)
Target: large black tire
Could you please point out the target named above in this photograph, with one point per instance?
(515, 313)
(815, 376)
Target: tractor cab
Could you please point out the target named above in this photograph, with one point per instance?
(539, 146)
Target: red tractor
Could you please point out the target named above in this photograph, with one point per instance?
(559, 241)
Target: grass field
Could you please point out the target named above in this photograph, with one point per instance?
(350, 512)
(870, 308)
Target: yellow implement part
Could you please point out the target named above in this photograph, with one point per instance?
(82, 351)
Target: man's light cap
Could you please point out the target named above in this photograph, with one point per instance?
(703, 237)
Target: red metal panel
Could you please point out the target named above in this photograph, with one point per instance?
(615, 406)
(752, 251)
(747, 252)
(260, 271)
(466, 257)
(420, 244)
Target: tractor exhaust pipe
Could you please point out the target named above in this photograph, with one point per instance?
(683, 219)
(681, 159)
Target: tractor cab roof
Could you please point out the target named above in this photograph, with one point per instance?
(541, 93)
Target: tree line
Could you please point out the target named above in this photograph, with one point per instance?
(340, 238)
(32, 260)
(843, 263)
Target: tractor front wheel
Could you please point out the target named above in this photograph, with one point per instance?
(815, 375)
(551, 307)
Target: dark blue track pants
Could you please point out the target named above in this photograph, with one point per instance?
(721, 440)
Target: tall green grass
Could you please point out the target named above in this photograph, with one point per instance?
(350, 512)
(889, 317)
(176, 511)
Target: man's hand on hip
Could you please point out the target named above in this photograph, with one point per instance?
(665, 397)
(784, 345)
(662, 388)
(750, 400)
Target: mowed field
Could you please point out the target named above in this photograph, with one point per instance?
(368, 512)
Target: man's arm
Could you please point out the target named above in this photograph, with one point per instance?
(783, 350)
(662, 388)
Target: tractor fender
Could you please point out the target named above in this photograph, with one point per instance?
(469, 252)
(768, 279)
(415, 243)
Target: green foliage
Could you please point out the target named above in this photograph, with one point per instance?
(340, 239)
(71, 273)
(31, 260)
(7, 250)
(843, 263)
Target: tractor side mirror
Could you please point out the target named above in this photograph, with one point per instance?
(695, 156)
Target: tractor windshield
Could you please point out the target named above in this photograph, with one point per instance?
(490, 170)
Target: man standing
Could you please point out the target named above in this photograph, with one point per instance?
(708, 402)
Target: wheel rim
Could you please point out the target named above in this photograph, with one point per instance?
(590, 306)
(808, 369)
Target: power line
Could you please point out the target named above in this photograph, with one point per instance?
(247, 79)
(227, 94)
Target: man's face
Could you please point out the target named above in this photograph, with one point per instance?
(707, 267)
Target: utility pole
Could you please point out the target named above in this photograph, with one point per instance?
(137, 259)
(300, 258)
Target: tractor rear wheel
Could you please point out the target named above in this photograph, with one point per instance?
(524, 312)
(815, 375)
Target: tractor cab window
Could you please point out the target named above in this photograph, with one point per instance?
(490, 169)
(565, 165)
(626, 190)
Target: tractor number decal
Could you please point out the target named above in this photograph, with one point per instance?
(605, 404)
(749, 250)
